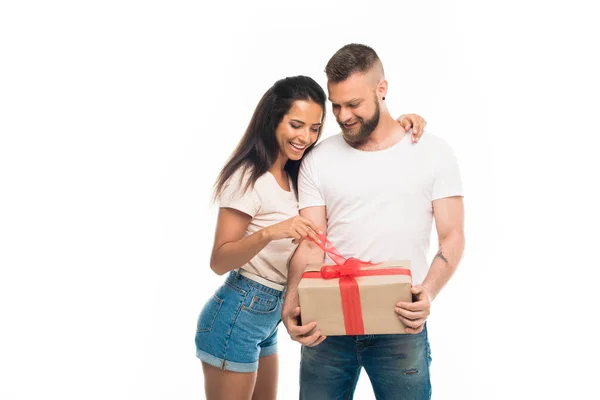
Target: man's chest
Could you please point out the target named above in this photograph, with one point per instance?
(365, 185)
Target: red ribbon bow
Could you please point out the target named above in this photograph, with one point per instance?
(346, 270)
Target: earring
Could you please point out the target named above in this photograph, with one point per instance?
(383, 97)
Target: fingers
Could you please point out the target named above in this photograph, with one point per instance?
(416, 306)
(417, 132)
(312, 225)
(292, 322)
(296, 237)
(413, 321)
(306, 334)
(405, 121)
(298, 331)
(301, 232)
(418, 128)
(421, 293)
(414, 121)
(318, 342)
(311, 340)
(313, 235)
(416, 289)
(310, 229)
(410, 324)
(414, 330)
(412, 315)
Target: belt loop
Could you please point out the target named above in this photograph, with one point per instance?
(237, 273)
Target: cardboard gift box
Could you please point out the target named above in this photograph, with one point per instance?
(355, 300)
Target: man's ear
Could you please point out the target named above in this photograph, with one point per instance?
(382, 88)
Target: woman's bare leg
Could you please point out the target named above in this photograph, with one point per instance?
(220, 384)
(266, 381)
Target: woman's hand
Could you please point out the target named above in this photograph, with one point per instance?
(414, 122)
(296, 228)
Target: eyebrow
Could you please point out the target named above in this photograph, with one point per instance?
(353, 100)
(302, 122)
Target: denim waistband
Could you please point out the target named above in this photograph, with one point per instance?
(238, 280)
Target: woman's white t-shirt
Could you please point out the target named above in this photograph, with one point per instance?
(268, 204)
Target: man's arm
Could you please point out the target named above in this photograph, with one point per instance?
(449, 220)
(306, 253)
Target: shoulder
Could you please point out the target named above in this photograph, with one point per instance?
(332, 142)
(239, 178)
(237, 184)
(328, 146)
(433, 144)
(433, 141)
(264, 183)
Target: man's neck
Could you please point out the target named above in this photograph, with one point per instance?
(388, 133)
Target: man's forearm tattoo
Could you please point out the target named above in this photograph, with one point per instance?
(441, 256)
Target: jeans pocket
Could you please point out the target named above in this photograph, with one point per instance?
(263, 303)
(209, 314)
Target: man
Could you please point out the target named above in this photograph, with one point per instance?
(376, 195)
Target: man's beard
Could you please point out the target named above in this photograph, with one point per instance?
(364, 131)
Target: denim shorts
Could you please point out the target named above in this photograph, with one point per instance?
(238, 324)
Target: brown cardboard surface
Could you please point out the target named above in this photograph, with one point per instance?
(320, 300)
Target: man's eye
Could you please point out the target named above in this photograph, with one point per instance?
(354, 105)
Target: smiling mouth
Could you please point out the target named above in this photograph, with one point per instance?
(351, 125)
(298, 146)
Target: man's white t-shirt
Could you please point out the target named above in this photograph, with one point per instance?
(268, 204)
(379, 203)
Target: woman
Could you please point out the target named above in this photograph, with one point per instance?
(236, 336)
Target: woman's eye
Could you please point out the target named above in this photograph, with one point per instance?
(316, 130)
(295, 126)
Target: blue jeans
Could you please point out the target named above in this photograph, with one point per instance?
(397, 365)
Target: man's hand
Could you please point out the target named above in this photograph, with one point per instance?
(414, 315)
(304, 334)
(414, 121)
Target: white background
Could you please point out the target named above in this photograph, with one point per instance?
(116, 116)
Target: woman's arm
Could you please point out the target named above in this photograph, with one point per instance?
(232, 250)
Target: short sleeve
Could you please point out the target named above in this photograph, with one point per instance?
(447, 180)
(234, 196)
(309, 194)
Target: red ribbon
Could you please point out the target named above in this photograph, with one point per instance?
(346, 269)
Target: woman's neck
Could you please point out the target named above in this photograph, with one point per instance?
(278, 167)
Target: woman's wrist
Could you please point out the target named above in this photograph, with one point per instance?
(266, 234)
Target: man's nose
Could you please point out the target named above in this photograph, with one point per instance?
(345, 115)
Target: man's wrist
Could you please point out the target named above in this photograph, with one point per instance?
(428, 292)
(289, 304)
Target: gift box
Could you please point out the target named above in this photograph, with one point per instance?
(355, 297)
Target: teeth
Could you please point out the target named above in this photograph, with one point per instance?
(298, 147)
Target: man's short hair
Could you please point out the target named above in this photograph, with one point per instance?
(350, 59)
